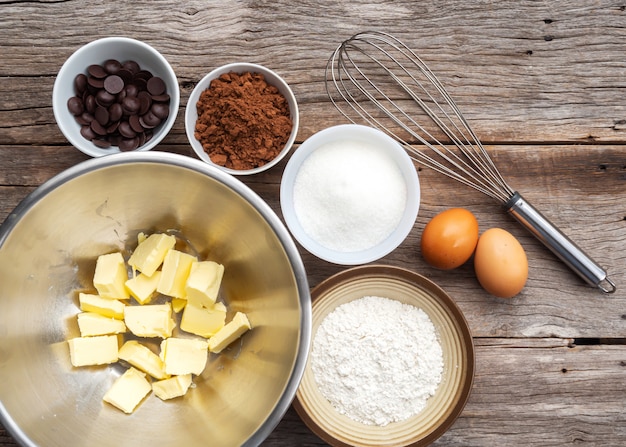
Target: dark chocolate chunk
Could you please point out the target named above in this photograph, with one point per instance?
(113, 84)
(156, 86)
(75, 106)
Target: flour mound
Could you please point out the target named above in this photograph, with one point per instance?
(377, 360)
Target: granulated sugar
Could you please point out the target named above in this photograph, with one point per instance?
(377, 360)
(349, 196)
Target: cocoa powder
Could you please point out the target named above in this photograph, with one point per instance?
(243, 122)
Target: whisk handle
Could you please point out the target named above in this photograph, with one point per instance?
(558, 243)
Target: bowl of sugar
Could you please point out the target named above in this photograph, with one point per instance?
(350, 194)
(391, 360)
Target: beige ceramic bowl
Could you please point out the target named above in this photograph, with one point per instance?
(272, 78)
(442, 409)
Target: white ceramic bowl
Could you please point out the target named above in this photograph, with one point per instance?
(97, 52)
(191, 112)
(360, 134)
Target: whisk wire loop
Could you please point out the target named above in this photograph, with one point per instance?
(387, 56)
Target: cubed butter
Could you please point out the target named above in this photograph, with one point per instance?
(110, 276)
(150, 320)
(128, 390)
(184, 355)
(142, 287)
(142, 358)
(99, 350)
(94, 303)
(229, 333)
(203, 283)
(173, 387)
(175, 270)
(92, 324)
(149, 254)
(203, 321)
(178, 304)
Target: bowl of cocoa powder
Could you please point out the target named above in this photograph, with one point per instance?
(242, 118)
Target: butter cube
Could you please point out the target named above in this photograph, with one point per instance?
(184, 355)
(128, 390)
(110, 276)
(203, 283)
(178, 304)
(175, 270)
(174, 387)
(151, 320)
(87, 351)
(229, 333)
(203, 321)
(149, 254)
(91, 324)
(106, 307)
(141, 357)
(142, 287)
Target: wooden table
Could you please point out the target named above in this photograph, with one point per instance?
(542, 83)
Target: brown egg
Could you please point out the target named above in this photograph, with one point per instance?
(500, 263)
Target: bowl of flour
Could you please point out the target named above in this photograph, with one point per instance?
(350, 194)
(391, 359)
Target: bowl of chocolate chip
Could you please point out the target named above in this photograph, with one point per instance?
(115, 94)
(242, 118)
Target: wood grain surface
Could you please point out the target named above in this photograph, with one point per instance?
(543, 84)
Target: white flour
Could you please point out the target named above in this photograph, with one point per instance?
(377, 360)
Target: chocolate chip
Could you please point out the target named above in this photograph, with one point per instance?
(113, 84)
(142, 74)
(115, 112)
(126, 130)
(156, 86)
(112, 66)
(85, 119)
(94, 82)
(90, 104)
(104, 98)
(103, 144)
(132, 90)
(98, 128)
(149, 120)
(75, 106)
(112, 128)
(131, 104)
(129, 144)
(125, 74)
(146, 102)
(135, 124)
(80, 83)
(119, 104)
(161, 98)
(86, 132)
(131, 66)
(160, 110)
(97, 71)
(102, 115)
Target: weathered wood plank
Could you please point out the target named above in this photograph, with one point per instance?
(577, 396)
(521, 71)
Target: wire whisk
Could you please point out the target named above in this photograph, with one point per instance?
(375, 79)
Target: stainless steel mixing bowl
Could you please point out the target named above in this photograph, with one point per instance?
(48, 247)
